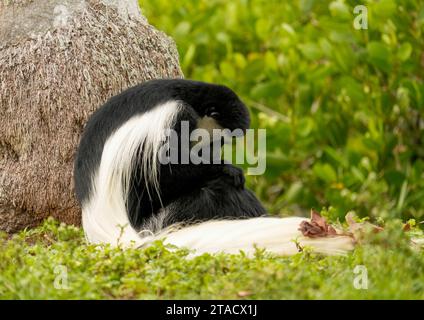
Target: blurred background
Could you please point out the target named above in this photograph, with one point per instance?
(343, 108)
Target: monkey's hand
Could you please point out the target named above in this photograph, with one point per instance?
(235, 175)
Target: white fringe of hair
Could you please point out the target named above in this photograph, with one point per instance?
(105, 218)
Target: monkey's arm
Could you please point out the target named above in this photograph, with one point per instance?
(176, 174)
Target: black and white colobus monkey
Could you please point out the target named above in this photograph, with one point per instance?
(128, 197)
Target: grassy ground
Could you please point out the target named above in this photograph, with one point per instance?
(53, 261)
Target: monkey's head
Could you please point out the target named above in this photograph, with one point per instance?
(225, 108)
(217, 106)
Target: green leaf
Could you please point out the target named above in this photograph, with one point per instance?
(262, 28)
(182, 29)
(267, 90)
(188, 57)
(311, 50)
(385, 8)
(271, 61)
(340, 10)
(404, 51)
(227, 70)
(305, 126)
(325, 172)
(379, 56)
(240, 60)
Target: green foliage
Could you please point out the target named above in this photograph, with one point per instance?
(34, 264)
(343, 108)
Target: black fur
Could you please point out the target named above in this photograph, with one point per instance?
(190, 192)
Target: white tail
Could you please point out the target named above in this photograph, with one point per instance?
(105, 218)
(276, 235)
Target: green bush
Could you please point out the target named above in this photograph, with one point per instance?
(343, 108)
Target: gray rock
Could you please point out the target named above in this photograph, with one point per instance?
(59, 61)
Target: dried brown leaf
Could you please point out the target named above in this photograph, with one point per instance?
(406, 227)
(316, 227)
(355, 227)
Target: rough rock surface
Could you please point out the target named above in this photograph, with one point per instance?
(59, 61)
